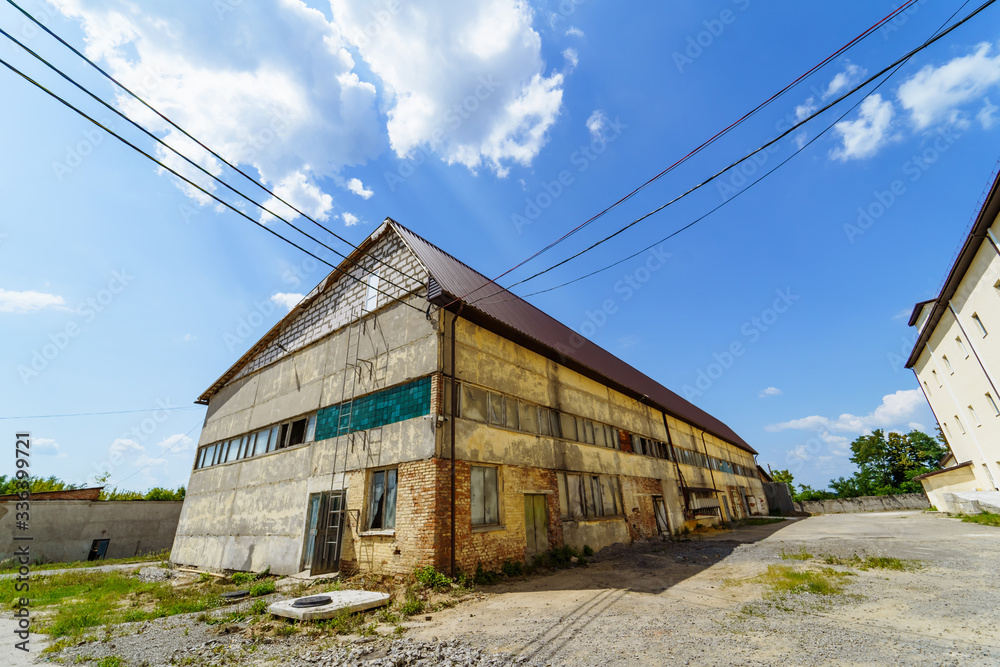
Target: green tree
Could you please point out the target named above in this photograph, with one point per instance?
(887, 463)
(784, 477)
(9, 485)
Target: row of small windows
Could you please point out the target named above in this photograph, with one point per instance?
(272, 438)
(508, 412)
(961, 348)
(975, 417)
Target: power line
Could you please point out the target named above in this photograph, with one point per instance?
(189, 136)
(113, 412)
(162, 454)
(698, 149)
(187, 159)
(771, 142)
(196, 186)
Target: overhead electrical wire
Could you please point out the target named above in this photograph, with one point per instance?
(195, 185)
(699, 148)
(771, 142)
(113, 412)
(189, 160)
(189, 136)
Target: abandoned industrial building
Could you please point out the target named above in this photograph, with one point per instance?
(409, 412)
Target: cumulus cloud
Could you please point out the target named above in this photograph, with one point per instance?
(863, 137)
(596, 123)
(357, 187)
(299, 190)
(466, 80)
(849, 77)
(177, 443)
(349, 219)
(47, 447)
(268, 85)
(770, 391)
(936, 94)
(28, 301)
(896, 410)
(573, 31)
(286, 299)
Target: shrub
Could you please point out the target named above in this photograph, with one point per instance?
(428, 577)
(262, 588)
(484, 577)
(240, 578)
(512, 568)
(258, 607)
(587, 551)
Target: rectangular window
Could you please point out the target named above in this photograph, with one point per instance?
(589, 431)
(282, 437)
(600, 436)
(979, 323)
(297, 432)
(473, 403)
(372, 291)
(554, 424)
(960, 427)
(568, 424)
(961, 347)
(596, 495)
(574, 493)
(311, 429)
(229, 451)
(510, 406)
(993, 404)
(975, 417)
(947, 364)
(485, 496)
(200, 461)
(498, 415)
(543, 422)
(382, 500)
(934, 373)
(272, 443)
(528, 415)
(588, 496)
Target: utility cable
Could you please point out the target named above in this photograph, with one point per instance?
(113, 412)
(698, 149)
(195, 185)
(771, 142)
(189, 136)
(186, 158)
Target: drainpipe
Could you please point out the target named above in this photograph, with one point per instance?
(454, 413)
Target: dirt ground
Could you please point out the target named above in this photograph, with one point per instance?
(692, 602)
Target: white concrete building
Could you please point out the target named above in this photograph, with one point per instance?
(956, 359)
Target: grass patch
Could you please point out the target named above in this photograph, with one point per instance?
(262, 588)
(984, 519)
(782, 580)
(428, 577)
(8, 567)
(873, 562)
(801, 554)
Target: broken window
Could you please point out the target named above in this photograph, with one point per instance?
(543, 422)
(588, 496)
(528, 415)
(473, 403)
(498, 416)
(296, 432)
(511, 409)
(311, 429)
(485, 496)
(382, 500)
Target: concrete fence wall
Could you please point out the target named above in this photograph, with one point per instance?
(905, 501)
(63, 531)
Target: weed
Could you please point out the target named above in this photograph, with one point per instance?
(801, 554)
(512, 568)
(257, 608)
(111, 661)
(204, 577)
(873, 562)
(587, 551)
(784, 580)
(240, 578)
(431, 578)
(984, 519)
(484, 577)
(262, 588)
(412, 605)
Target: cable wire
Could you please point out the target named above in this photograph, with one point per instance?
(113, 412)
(698, 149)
(192, 162)
(187, 134)
(195, 185)
(771, 142)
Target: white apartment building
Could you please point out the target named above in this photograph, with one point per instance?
(956, 359)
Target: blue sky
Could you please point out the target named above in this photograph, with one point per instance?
(491, 129)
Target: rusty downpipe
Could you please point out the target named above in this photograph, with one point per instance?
(451, 428)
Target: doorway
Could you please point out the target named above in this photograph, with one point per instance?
(536, 523)
(324, 526)
(660, 511)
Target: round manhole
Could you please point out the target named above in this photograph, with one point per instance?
(313, 601)
(234, 595)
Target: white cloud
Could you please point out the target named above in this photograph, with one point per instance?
(862, 137)
(187, 338)
(987, 114)
(349, 219)
(26, 302)
(935, 94)
(47, 447)
(851, 76)
(123, 448)
(572, 57)
(357, 187)
(573, 31)
(805, 109)
(596, 123)
(286, 299)
(770, 391)
(466, 80)
(297, 189)
(177, 443)
(269, 85)
(895, 410)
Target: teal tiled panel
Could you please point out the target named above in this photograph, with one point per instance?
(391, 405)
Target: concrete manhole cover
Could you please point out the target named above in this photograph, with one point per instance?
(312, 601)
(339, 601)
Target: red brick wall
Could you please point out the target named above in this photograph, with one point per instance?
(637, 493)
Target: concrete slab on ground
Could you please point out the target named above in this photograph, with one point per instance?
(341, 601)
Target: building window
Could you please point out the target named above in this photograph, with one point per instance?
(979, 323)
(961, 347)
(372, 291)
(947, 364)
(485, 496)
(588, 496)
(993, 404)
(947, 431)
(473, 403)
(927, 387)
(975, 417)
(961, 428)
(382, 500)
(936, 378)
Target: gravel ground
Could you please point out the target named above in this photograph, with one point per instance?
(693, 602)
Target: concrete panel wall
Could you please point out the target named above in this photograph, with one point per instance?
(64, 530)
(905, 501)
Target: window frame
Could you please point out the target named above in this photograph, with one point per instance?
(370, 515)
(979, 323)
(496, 506)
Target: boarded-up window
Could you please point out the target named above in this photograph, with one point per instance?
(473, 403)
(485, 496)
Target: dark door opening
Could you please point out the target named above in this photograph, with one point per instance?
(324, 526)
(98, 549)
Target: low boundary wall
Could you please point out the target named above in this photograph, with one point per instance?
(903, 501)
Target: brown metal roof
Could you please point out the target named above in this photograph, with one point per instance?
(989, 213)
(515, 318)
(943, 470)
